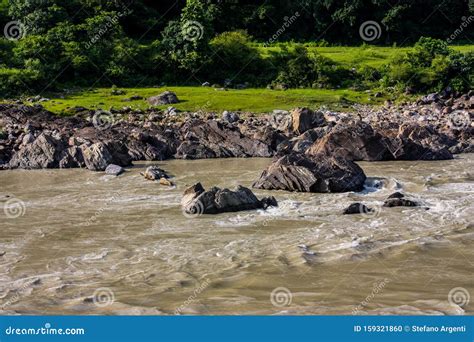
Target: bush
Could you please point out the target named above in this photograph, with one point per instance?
(235, 58)
(431, 66)
(301, 70)
(16, 81)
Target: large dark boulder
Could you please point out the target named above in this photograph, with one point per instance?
(407, 149)
(99, 155)
(303, 119)
(43, 152)
(419, 142)
(397, 199)
(298, 172)
(196, 200)
(355, 141)
(213, 139)
(399, 202)
(148, 147)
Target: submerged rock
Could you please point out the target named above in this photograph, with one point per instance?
(165, 181)
(397, 199)
(155, 173)
(396, 195)
(357, 208)
(298, 172)
(196, 200)
(399, 202)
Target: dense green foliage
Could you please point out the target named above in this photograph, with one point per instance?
(89, 43)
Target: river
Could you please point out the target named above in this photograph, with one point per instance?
(78, 242)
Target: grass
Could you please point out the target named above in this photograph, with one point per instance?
(209, 99)
(252, 100)
(374, 56)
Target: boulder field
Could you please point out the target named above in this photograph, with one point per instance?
(313, 151)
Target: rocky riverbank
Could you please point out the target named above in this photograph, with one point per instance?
(313, 150)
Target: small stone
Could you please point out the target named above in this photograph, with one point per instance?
(230, 117)
(164, 181)
(154, 173)
(28, 138)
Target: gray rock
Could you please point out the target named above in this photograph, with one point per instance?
(44, 152)
(230, 117)
(114, 170)
(168, 97)
(155, 173)
(28, 138)
(430, 98)
(297, 172)
(213, 139)
(97, 156)
(356, 141)
(304, 119)
(197, 201)
(280, 112)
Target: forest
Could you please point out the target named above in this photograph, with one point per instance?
(50, 45)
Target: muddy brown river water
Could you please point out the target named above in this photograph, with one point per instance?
(79, 242)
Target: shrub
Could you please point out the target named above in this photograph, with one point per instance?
(235, 58)
(431, 66)
(17, 81)
(302, 70)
